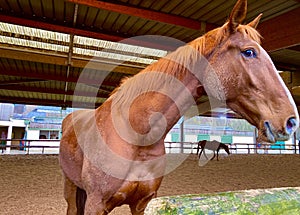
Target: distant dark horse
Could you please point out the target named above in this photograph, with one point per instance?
(213, 146)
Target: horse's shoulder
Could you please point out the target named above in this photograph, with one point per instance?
(79, 117)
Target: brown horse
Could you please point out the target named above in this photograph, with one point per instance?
(214, 146)
(115, 154)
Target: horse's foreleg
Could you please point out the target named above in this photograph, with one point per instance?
(214, 155)
(198, 148)
(203, 151)
(70, 190)
(139, 207)
(218, 154)
(94, 205)
(200, 152)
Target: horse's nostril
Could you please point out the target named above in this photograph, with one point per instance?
(291, 125)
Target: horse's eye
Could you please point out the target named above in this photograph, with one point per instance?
(249, 53)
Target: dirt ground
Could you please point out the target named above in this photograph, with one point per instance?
(32, 184)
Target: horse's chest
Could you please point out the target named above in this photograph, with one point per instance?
(138, 191)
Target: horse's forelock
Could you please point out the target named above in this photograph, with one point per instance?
(248, 31)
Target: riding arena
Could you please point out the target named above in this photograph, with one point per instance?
(117, 144)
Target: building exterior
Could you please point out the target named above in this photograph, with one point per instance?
(23, 125)
(26, 122)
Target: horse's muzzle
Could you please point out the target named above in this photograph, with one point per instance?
(274, 135)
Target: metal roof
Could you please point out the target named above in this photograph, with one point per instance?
(75, 52)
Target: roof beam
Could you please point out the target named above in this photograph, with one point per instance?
(61, 60)
(85, 33)
(54, 77)
(282, 31)
(58, 28)
(48, 102)
(54, 91)
(145, 14)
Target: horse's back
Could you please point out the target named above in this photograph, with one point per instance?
(212, 145)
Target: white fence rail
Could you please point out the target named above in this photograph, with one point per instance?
(52, 147)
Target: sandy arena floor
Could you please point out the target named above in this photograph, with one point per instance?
(33, 184)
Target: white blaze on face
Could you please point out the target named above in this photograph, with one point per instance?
(283, 85)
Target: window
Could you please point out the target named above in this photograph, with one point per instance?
(47, 134)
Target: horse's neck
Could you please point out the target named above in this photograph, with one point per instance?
(150, 103)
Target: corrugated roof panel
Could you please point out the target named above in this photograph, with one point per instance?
(155, 30)
(183, 6)
(220, 13)
(121, 20)
(207, 9)
(67, 11)
(98, 21)
(277, 8)
(86, 15)
(37, 8)
(82, 14)
(8, 93)
(79, 87)
(92, 74)
(75, 72)
(168, 8)
(286, 55)
(159, 4)
(135, 2)
(111, 20)
(12, 6)
(55, 97)
(48, 9)
(148, 4)
(186, 35)
(128, 25)
(197, 6)
(147, 27)
(83, 99)
(135, 29)
(57, 85)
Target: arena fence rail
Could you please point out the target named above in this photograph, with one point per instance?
(51, 146)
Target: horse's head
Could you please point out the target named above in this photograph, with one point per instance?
(250, 83)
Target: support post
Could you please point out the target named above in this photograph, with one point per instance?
(181, 134)
(9, 136)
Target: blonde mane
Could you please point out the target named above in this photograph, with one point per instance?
(175, 64)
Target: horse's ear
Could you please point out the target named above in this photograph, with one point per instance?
(255, 22)
(237, 15)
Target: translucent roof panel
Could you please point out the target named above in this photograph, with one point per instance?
(33, 32)
(33, 44)
(112, 56)
(22, 36)
(119, 46)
